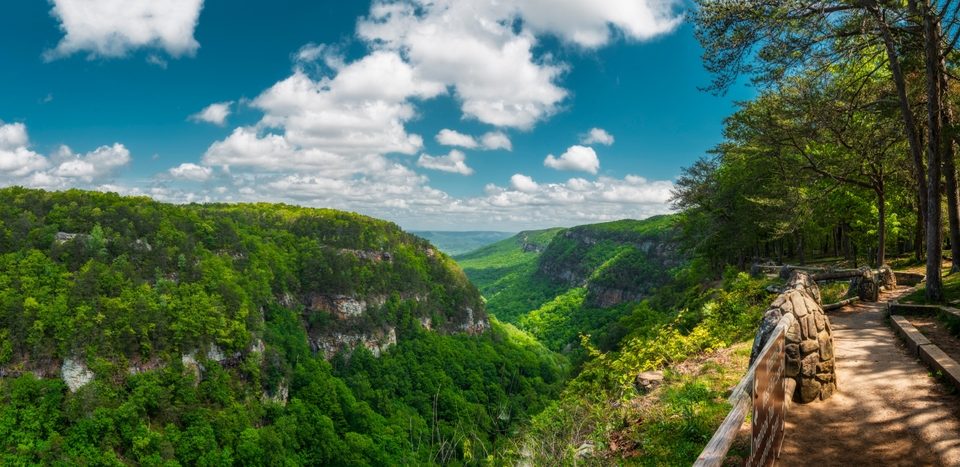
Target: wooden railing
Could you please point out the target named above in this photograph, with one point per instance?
(756, 390)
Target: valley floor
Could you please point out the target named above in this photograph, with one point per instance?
(889, 409)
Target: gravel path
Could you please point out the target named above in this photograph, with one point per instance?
(889, 411)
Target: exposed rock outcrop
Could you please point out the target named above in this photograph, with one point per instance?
(341, 306)
(64, 237)
(474, 325)
(279, 396)
(75, 374)
(369, 255)
(190, 363)
(620, 262)
(377, 341)
(607, 297)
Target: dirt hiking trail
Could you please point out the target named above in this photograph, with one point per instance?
(889, 410)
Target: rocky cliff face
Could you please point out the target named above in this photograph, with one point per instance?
(340, 321)
(617, 262)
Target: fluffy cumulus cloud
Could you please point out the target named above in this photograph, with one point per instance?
(112, 28)
(191, 172)
(472, 47)
(593, 23)
(335, 131)
(348, 120)
(215, 113)
(448, 137)
(488, 141)
(455, 162)
(523, 183)
(92, 166)
(485, 49)
(16, 159)
(496, 140)
(525, 203)
(597, 136)
(577, 158)
(64, 168)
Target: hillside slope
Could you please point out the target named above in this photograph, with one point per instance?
(133, 331)
(559, 283)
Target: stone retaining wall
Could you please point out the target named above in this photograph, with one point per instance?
(809, 340)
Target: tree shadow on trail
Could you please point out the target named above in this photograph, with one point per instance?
(889, 409)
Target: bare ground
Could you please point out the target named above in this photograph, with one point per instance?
(889, 410)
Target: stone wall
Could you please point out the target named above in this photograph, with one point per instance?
(809, 340)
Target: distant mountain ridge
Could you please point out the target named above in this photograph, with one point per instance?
(457, 243)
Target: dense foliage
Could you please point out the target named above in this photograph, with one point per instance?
(552, 283)
(851, 144)
(133, 287)
(685, 328)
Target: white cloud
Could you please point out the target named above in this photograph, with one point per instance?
(16, 159)
(455, 138)
(334, 132)
(92, 166)
(578, 158)
(472, 47)
(488, 141)
(496, 140)
(157, 60)
(216, 113)
(577, 201)
(112, 28)
(523, 183)
(360, 111)
(485, 49)
(13, 135)
(597, 136)
(455, 162)
(64, 168)
(191, 172)
(592, 23)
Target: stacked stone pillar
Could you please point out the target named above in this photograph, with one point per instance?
(867, 286)
(809, 340)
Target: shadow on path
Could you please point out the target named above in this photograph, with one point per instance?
(889, 410)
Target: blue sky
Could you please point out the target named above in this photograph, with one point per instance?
(467, 114)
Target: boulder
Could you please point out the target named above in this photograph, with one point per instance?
(648, 381)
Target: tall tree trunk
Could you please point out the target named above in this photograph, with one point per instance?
(881, 226)
(934, 288)
(949, 167)
(802, 248)
(918, 232)
(953, 207)
(909, 123)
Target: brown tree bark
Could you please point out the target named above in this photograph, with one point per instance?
(881, 225)
(931, 48)
(909, 123)
(949, 165)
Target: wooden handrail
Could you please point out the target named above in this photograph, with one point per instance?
(741, 399)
